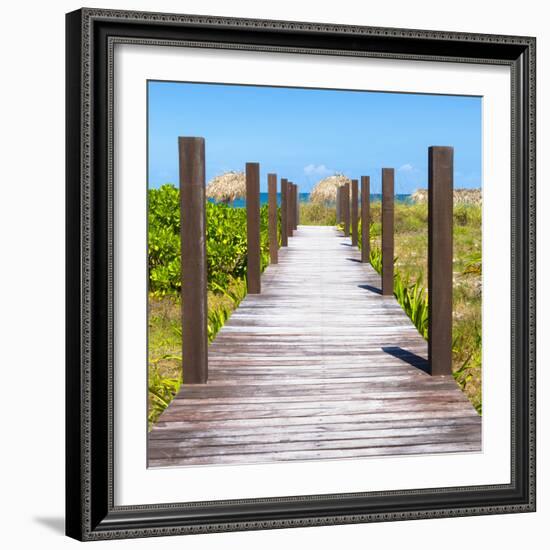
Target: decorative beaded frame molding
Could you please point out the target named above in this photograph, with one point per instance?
(90, 510)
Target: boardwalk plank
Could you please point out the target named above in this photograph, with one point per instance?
(318, 366)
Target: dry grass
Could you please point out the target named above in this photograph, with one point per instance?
(164, 335)
(411, 252)
(460, 196)
(317, 213)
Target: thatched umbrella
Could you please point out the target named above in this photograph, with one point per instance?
(227, 187)
(325, 190)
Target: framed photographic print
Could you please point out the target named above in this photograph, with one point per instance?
(300, 274)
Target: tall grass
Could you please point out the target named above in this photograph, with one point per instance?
(165, 366)
(412, 297)
(411, 251)
(313, 213)
(226, 251)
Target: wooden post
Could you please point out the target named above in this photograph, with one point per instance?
(194, 307)
(365, 219)
(293, 208)
(284, 212)
(387, 230)
(297, 207)
(354, 212)
(342, 192)
(290, 209)
(273, 215)
(253, 227)
(345, 206)
(440, 259)
(338, 204)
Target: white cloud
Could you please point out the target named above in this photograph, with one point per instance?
(406, 168)
(316, 170)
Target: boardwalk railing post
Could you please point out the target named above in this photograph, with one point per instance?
(297, 218)
(293, 208)
(440, 259)
(338, 204)
(342, 193)
(354, 212)
(297, 207)
(273, 215)
(365, 219)
(387, 230)
(253, 227)
(345, 206)
(290, 209)
(284, 212)
(194, 307)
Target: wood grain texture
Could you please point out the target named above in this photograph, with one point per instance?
(253, 279)
(194, 306)
(440, 258)
(365, 219)
(346, 208)
(273, 218)
(290, 209)
(319, 366)
(284, 212)
(297, 207)
(354, 212)
(387, 230)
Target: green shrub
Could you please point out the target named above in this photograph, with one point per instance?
(161, 392)
(226, 246)
(226, 256)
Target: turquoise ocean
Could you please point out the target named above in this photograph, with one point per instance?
(304, 197)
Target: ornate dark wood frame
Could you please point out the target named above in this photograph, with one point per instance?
(91, 36)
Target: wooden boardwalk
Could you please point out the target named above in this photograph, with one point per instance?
(319, 365)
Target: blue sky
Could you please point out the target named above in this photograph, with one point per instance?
(307, 134)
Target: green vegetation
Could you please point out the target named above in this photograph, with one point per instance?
(225, 242)
(317, 213)
(411, 258)
(226, 257)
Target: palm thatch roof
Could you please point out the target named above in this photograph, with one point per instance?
(227, 187)
(325, 189)
(460, 196)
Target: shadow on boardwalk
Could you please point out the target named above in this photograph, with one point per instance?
(318, 366)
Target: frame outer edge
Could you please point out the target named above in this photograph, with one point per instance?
(291, 25)
(74, 500)
(79, 300)
(531, 80)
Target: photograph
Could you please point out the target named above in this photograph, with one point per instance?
(314, 274)
(300, 267)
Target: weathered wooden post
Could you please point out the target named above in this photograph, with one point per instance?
(345, 205)
(284, 212)
(365, 219)
(342, 192)
(194, 308)
(440, 259)
(273, 215)
(253, 227)
(293, 208)
(290, 209)
(338, 204)
(297, 217)
(387, 230)
(354, 212)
